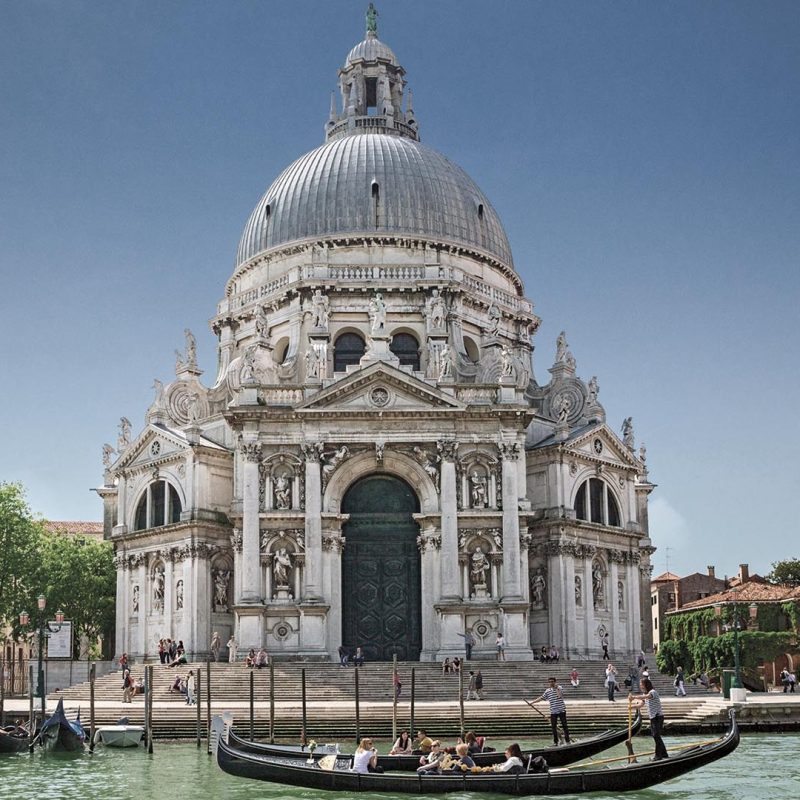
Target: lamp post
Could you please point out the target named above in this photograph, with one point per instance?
(43, 627)
(736, 683)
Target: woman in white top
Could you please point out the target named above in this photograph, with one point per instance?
(513, 762)
(611, 680)
(403, 746)
(366, 756)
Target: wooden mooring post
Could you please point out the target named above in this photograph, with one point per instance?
(358, 710)
(2, 693)
(92, 673)
(413, 690)
(208, 707)
(197, 695)
(31, 720)
(395, 678)
(461, 698)
(148, 706)
(271, 701)
(252, 706)
(303, 700)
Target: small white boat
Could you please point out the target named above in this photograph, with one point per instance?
(119, 735)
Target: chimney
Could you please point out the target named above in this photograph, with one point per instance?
(710, 569)
(744, 573)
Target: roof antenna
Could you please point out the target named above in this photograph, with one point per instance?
(667, 551)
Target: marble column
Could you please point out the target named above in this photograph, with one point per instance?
(591, 642)
(612, 600)
(251, 555)
(512, 588)
(312, 590)
(145, 602)
(123, 608)
(450, 577)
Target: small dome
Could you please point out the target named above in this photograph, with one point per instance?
(371, 49)
(373, 184)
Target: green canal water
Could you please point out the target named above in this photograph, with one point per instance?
(764, 766)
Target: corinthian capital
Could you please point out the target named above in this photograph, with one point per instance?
(448, 450)
(509, 451)
(312, 452)
(250, 450)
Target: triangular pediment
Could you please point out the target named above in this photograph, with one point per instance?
(380, 388)
(154, 444)
(600, 443)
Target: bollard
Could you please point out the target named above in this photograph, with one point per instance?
(252, 710)
(92, 672)
(271, 701)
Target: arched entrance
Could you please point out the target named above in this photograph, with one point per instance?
(381, 592)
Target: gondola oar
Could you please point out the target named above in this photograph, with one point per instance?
(599, 762)
(629, 740)
(541, 714)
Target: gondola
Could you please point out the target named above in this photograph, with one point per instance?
(621, 777)
(13, 740)
(61, 734)
(555, 756)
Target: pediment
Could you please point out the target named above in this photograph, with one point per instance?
(600, 443)
(381, 388)
(155, 443)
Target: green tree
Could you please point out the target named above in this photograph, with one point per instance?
(20, 547)
(786, 572)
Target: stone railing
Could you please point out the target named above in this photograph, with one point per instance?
(477, 395)
(281, 397)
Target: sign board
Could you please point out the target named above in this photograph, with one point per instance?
(59, 645)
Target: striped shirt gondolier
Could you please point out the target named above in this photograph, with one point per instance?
(653, 704)
(556, 699)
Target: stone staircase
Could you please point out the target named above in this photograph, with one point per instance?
(330, 697)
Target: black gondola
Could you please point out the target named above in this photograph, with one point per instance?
(61, 734)
(628, 777)
(555, 756)
(14, 740)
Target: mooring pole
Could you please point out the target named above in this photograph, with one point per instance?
(2, 693)
(395, 684)
(358, 711)
(252, 706)
(413, 689)
(271, 701)
(461, 698)
(148, 705)
(32, 723)
(91, 707)
(208, 706)
(198, 695)
(303, 699)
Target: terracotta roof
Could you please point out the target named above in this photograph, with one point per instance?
(74, 528)
(665, 576)
(750, 592)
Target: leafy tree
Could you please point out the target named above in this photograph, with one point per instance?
(786, 572)
(20, 542)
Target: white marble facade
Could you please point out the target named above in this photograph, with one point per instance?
(381, 344)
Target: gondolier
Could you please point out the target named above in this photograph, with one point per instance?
(651, 699)
(558, 708)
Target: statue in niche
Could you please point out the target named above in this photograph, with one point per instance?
(477, 486)
(261, 324)
(506, 363)
(108, 454)
(539, 589)
(597, 585)
(312, 362)
(578, 591)
(283, 493)
(222, 579)
(179, 596)
(377, 313)
(158, 589)
(627, 433)
(427, 464)
(281, 566)
(320, 309)
(620, 596)
(594, 390)
(561, 348)
(436, 310)
(494, 320)
(135, 600)
(446, 363)
(479, 566)
(124, 438)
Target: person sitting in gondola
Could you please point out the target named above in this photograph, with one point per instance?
(513, 764)
(476, 744)
(365, 758)
(434, 762)
(403, 746)
(424, 743)
(463, 760)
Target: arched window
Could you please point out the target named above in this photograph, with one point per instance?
(595, 502)
(158, 505)
(406, 348)
(348, 349)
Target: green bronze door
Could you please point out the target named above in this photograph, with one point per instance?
(381, 570)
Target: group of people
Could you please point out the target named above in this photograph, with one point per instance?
(256, 660)
(171, 652)
(451, 667)
(548, 654)
(344, 656)
(130, 686)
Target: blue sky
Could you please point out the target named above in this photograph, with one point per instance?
(644, 158)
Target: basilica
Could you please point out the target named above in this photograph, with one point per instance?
(375, 463)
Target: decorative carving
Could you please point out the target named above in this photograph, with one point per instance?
(429, 541)
(448, 449)
(320, 310)
(627, 433)
(506, 363)
(179, 596)
(135, 600)
(222, 579)
(312, 452)
(539, 589)
(477, 485)
(247, 374)
(124, 438)
(380, 444)
(251, 451)
(236, 540)
(377, 314)
(379, 396)
(428, 464)
(108, 453)
(573, 469)
(509, 451)
(158, 589)
(331, 462)
(333, 543)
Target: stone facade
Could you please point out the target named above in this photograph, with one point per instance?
(389, 338)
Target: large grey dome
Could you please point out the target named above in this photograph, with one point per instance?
(374, 184)
(371, 49)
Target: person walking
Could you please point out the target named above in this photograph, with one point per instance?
(398, 686)
(500, 644)
(471, 688)
(604, 645)
(792, 682)
(190, 699)
(554, 695)
(127, 686)
(680, 681)
(469, 643)
(479, 685)
(651, 699)
(216, 645)
(611, 681)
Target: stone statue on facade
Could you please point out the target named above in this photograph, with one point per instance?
(538, 589)
(332, 461)
(506, 363)
(187, 360)
(479, 566)
(436, 311)
(261, 323)
(372, 19)
(281, 566)
(569, 360)
(377, 314)
(320, 309)
(193, 407)
(248, 371)
(124, 437)
(158, 589)
(428, 465)
(108, 455)
(561, 348)
(494, 320)
(620, 596)
(594, 390)
(222, 579)
(283, 493)
(477, 485)
(158, 387)
(627, 433)
(135, 600)
(578, 591)
(179, 595)
(597, 585)
(564, 407)
(446, 363)
(312, 362)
